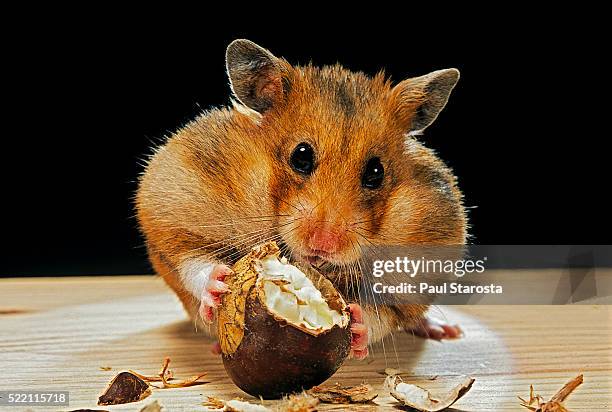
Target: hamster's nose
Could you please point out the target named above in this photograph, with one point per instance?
(324, 240)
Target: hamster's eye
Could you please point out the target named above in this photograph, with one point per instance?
(303, 159)
(374, 174)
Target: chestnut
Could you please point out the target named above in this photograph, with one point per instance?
(281, 328)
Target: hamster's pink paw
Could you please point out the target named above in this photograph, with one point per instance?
(359, 333)
(432, 328)
(213, 289)
(215, 348)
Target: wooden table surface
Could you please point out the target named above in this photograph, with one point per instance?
(56, 333)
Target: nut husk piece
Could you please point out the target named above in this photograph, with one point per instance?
(555, 404)
(420, 399)
(299, 402)
(213, 403)
(124, 388)
(344, 394)
(152, 407)
(236, 405)
(265, 354)
(165, 375)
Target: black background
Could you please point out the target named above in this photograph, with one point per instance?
(88, 99)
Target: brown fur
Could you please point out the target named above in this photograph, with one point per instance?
(226, 176)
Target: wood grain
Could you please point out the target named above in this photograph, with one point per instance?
(56, 333)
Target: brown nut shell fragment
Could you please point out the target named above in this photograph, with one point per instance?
(420, 399)
(344, 394)
(124, 388)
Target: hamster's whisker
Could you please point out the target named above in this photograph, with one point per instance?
(240, 253)
(376, 248)
(253, 219)
(236, 237)
(420, 324)
(248, 219)
(358, 222)
(367, 282)
(300, 202)
(280, 234)
(404, 224)
(382, 237)
(285, 249)
(238, 246)
(375, 308)
(233, 224)
(397, 360)
(284, 201)
(345, 270)
(321, 202)
(254, 240)
(355, 275)
(359, 282)
(243, 237)
(256, 217)
(373, 248)
(355, 249)
(440, 312)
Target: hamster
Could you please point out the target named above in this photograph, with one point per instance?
(322, 160)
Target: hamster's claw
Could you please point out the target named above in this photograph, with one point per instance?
(211, 295)
(432, 328)
(359, 333)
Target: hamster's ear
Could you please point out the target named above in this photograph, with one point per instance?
(256, 75)
(422, 98)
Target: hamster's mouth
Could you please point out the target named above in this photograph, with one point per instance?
(324, 262)
(319, 259)
(315, 260)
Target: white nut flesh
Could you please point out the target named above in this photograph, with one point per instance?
(291, 295)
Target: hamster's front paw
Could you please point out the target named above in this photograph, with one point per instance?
(359, 332)
(215, 348)
(432, 328)
(213, 289)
